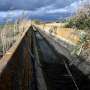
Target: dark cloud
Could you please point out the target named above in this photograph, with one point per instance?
(39, 9)
(32, 4)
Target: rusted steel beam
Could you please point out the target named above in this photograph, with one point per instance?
(16, 66)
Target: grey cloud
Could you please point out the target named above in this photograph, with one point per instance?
(23, 4)
(32, 4)
(41, 9)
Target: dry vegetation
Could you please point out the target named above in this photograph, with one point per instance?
(67, 34)
(10, 33)
(79, 38)
(82, 21)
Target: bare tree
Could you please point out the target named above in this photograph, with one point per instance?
(83, 11)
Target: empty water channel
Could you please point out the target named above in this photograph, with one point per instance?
(56, 71)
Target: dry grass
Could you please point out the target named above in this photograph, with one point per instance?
(58, 30)
(10, 33)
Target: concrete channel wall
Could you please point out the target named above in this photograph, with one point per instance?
(16, 65)
(68, 35)
(82, 65)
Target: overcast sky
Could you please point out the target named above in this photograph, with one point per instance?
(40, 9)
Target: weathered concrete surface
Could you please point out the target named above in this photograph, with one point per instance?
(19, 70)
(83, 66)
(16, 66)
(39, 74)
(68, 35)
